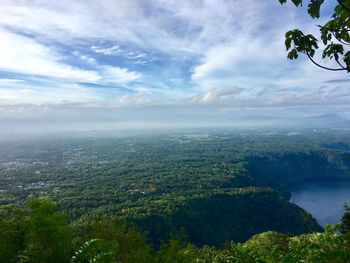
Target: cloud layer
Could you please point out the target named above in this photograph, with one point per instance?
(199, 53)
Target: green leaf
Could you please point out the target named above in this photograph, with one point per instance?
(297, 2)
(293, 54)
(347, 60)
(314, 8)
(288, 43)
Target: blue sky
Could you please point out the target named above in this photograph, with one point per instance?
(100, 56)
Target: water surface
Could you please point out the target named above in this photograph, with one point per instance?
(322, 198)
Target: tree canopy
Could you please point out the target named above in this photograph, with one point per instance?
(334, 35)
(41, 233)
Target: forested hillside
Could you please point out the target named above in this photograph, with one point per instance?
(210, 186)
(40, 232)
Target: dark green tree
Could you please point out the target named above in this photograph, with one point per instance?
(106, 239)
(345, 221)
(334, 35)
(11, 233)
(47, 233)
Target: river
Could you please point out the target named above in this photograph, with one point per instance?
(322, 198)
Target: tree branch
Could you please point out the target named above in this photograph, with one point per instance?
(344, 42)
(340, 40)
(340, 64)
(332, 69)
(343, 6)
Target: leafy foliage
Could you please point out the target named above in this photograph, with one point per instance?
(11, 233)
(345, 222)
(93, 251)
(334, 35)
(114, 242)
(39, 233)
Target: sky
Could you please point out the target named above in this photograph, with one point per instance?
(137, 63)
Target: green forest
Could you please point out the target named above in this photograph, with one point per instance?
(40, 232)
(215, 195)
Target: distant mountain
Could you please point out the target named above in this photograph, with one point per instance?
(327, 117)
(324, 120)
(260, 118)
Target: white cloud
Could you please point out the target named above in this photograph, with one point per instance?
(215, 95)
(46, 95)
(308, 75)
(132, 99)
(117, 75)
(166, 26)
(225, 43)
(24, 55)
(85, 58)
(243, 56)
(135, 57)
(6, 81)
(113, 50)
(21, 54)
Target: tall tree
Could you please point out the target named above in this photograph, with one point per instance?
(11, 233)
(47, 233)
(345, 221)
